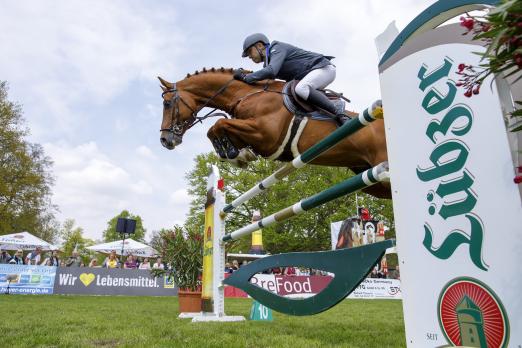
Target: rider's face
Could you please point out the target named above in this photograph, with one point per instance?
(254, 53)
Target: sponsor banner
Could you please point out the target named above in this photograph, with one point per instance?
(103, 281)
(27, 279)
(458, 214)
(306, 286)
(378, 288)
(291, 286)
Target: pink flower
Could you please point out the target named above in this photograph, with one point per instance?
(462, 66)
(468, 93)
(467, 23)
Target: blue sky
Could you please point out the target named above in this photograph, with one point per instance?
(85, 75)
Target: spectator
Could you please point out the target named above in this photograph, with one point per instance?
(130, 263)
(112, 261)
(290, 271)
(52, 260)
(94, 263)
(4, 256)
(228, 268)
(276, 270)
(158, 264)
(34, 257)
(113, 254)
(62, 263)
(82, 264)
(302, 271)
(235, 265)
(145, 264)
(74, 260)
(18, 258)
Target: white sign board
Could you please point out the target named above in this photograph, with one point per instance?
(458, 213)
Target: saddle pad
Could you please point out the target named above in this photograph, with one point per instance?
(293, 107)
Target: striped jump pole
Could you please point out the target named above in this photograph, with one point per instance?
(350, 127)
(365, 179)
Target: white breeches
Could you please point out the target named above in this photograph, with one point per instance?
(316, 79)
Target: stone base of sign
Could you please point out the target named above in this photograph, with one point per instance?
(206, 317)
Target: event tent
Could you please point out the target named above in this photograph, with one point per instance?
(130, 246)
(24, 241)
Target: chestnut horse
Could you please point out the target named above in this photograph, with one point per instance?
(260, 123)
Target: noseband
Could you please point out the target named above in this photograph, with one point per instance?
(179, 127)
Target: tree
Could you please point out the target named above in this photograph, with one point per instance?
(110, 234)
(72, 238)
(26, 179)
(307, 232)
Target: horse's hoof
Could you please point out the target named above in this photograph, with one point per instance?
(232, 152)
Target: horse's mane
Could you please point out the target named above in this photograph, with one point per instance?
(215, 70)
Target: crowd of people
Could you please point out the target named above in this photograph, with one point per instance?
(377, 271)
(290, 271)
(35, 257)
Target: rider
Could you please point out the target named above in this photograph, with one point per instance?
(287, 62)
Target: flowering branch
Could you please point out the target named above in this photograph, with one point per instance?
(501, 31)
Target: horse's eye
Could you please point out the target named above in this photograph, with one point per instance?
(166, 103)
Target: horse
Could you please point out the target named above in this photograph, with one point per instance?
(345, 236)
(259, 124)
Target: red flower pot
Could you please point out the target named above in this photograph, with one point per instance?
(189, 301)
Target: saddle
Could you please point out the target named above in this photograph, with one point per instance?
(300, 107)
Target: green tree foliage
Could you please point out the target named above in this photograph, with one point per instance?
(25, 177)
(110, 234)
(72, 237)
(307, 232)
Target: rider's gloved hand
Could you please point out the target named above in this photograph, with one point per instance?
(241, 76)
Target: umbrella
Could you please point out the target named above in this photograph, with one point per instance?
(130, 246)
(24, 241)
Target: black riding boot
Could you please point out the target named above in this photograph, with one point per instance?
(321, 101)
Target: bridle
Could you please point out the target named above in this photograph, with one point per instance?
(179, 127)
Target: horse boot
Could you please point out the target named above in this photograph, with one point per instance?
(219, 148)
(231, 149)
(322, 102)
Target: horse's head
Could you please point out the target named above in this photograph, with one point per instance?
(178, 114)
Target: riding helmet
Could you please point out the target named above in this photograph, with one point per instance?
(252, 40)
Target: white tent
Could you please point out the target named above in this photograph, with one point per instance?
(24, 241)
(130, 246)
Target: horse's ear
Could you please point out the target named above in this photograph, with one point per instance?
(166, 83)
(164, 88)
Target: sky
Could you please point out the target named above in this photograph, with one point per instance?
(85, 72)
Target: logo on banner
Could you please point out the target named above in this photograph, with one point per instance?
(87, 278)
(471, 314)
(453, 184)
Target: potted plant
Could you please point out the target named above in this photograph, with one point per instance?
(182, 251)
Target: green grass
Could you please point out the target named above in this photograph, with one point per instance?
(118, 321)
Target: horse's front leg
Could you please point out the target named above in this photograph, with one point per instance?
(230, 138)
(222, 144)
(230, 134)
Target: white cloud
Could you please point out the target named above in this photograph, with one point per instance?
(145, 152)
(74, 52)
(89, 185)
(180, 197)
